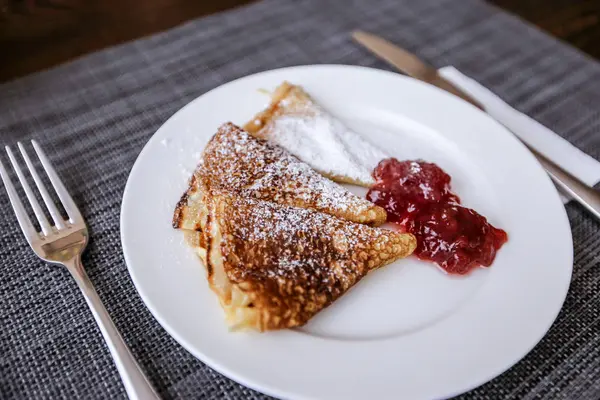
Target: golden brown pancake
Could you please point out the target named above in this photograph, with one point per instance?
(235, 161)
(275, 266)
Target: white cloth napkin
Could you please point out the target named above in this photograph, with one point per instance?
(563, 153)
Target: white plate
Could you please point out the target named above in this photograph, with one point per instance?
(407, 330)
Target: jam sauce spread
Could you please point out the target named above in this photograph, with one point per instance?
(417, 197)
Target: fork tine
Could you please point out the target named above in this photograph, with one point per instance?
(37, 210)
(64, 196)
(22, 217)
(56, 217)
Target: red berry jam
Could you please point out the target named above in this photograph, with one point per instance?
(417, 197)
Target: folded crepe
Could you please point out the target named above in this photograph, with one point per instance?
(294, 121)
(275, 266)
(235, 161)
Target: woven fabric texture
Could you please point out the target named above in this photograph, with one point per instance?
(94, 115)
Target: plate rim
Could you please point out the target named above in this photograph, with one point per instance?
(232, 374)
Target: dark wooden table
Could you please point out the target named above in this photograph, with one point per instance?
(37, 34)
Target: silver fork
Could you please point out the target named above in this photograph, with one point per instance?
(63, 244)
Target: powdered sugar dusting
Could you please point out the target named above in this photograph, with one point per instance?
(309, 132)
(236, 161)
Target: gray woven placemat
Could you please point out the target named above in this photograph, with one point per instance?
(94, 115)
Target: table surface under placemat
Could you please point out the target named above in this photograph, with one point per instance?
(94, 115)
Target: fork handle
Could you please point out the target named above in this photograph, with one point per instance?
(135, 382)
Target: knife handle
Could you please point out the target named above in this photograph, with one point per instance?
(585, 195)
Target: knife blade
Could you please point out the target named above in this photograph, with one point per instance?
(412, 66)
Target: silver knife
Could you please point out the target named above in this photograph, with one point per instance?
(412, 66)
